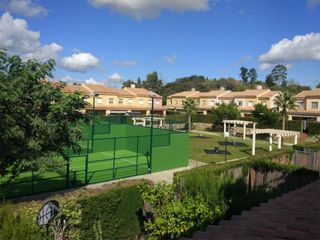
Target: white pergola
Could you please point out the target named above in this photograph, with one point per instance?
(273, 132)
(143, 121)
(227, 123)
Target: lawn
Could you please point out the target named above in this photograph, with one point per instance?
(201, 148)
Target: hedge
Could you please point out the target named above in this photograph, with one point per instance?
(111, 215)
(313, 128)
(235, 194)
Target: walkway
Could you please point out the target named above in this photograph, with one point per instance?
(295, 215)
(206, 132)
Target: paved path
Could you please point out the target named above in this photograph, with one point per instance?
(295, 215)
(205, 132)
(166, 176)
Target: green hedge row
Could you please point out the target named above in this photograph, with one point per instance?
(111, 215)
(234, 194)
(313, 128)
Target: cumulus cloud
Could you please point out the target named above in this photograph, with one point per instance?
(171, 59)
(91, 81)
(301, 47)
(124, 63)
(115, 78)
(70, 79)
(79, 62)
(17, 38)
(150, 8)
(23, 7)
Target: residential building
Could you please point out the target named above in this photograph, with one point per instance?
(308, 103)
(118, 101)
(175, 101)
(207, 100)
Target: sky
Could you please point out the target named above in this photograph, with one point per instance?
(110, 41)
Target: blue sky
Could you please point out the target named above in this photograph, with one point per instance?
(109, 41)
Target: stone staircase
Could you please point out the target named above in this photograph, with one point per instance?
(295, 215)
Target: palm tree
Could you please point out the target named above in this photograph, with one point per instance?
(190, 107)
(284, 102)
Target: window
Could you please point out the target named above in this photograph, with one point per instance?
(120, 101)
(250, 104)
(157, 102)
(240, 103)
(211, 102)
(176, 102)
(99, 100)
(150, 101)
(301, 105)
(141, 101)
(314, 105)
(129, 101)
(204, 102)
(110, 100)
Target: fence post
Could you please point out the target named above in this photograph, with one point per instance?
(114, 157)
(68, 172)
(32, 183)
(137, 156)
(86, 164)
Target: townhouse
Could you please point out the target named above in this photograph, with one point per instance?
(111, 101)
(207, 100)
(308, 106)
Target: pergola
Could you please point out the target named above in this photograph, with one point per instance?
(142, 121)
(273, 132)
(227, 123)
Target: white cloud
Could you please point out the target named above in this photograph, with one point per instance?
(67, 79)
(115, 78)
(23, 7)
(171, 59)
(313, 3)
(151, 8)
(79, 62)
(301, 47)
(243, 60)
(16, 38)
(91, 81)
(124, 63)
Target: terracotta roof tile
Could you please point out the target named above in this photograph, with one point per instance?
(141, 92)
(309, 93)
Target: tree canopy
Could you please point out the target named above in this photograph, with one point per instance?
(35, 116)
(284, 102)
(279, 75)
(225, 111)
(265, 116)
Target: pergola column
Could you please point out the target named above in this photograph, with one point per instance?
(144, 122)
(279, 141)
(270, 142)
(254, 143)
(134, 121)
(295, 139)
(244, 131)
(224, 128)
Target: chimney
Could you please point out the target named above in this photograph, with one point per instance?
(132, 86)
(259, 87)
(222, 89)
(193, 89)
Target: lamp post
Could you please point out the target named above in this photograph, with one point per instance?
(94, 95)
(151, 129)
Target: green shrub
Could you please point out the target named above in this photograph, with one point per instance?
(174, 216)
(16, 226)
(313, 128)
(111, 215)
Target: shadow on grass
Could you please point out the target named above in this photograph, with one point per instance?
(220, 152)
(200, 137)
(231, 143)
(249, 151)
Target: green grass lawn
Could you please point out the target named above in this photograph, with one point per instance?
(201, 148)
(100, 168)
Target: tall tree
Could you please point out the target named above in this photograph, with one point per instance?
(244, 74)
(265, 116)
(284, 102)
(269, 81)
(318, 86)
(253, 75)
(35, 116)
(189, 107)
(128, 83)
(224, 112)
(153, 82)
(139, 83)
(279, 74)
